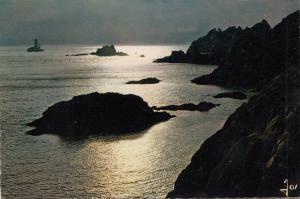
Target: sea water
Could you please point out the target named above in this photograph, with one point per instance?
(145, 164)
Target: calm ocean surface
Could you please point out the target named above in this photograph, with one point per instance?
(139, 165)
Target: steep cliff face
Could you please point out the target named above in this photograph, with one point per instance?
(256, 150)
(247, 57)
(257, 55)
(215, 47)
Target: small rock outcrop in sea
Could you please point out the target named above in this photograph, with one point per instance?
(76, 55)
(233, 95)
(36, 47)
(108, 50)
(202, 106)
(103, 114)
(150, 80)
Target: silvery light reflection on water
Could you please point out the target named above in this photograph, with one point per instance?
(138, 165)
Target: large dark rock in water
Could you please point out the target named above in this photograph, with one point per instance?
(202, 106)
(257, 55)
(104, 114)
(233, 95)
(150, 80)
(108, 50)
(256, 150)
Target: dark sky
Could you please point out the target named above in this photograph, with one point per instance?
(129, 21)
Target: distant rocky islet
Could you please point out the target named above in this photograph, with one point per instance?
(105, 51)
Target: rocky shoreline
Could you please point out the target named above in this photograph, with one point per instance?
(248, 156)
(258, 148)
(246, 58)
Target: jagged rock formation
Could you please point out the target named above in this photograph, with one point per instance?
(202, 106)
(175, 57)
(233, 95)
(209, 49)
(255, 151)
(150, 80)
(258, 147)
(257, 55)
(104, 114)
(247, 57)
(108, 50)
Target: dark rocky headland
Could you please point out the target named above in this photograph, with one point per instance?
(108, 50)
(259, 145)
(94, 113)
(247, 58)
(150, 80)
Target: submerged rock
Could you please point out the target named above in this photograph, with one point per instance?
(150, 80)
(76, 55)
(104, 114)
(234, 95)
(202, 106)
(108, 50)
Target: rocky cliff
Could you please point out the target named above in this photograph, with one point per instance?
(258, 148)
(255, 151)
(247, 57)
(258, 55)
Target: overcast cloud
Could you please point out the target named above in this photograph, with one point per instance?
(130, 21)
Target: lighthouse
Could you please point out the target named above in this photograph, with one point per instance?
(36, 47)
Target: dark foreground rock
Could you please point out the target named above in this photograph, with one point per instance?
(202, 106)
(108, 50)
(256, 150)
(151, 80)
(233, 95)
(104, 114)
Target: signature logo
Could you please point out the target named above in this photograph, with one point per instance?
(288, 187)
